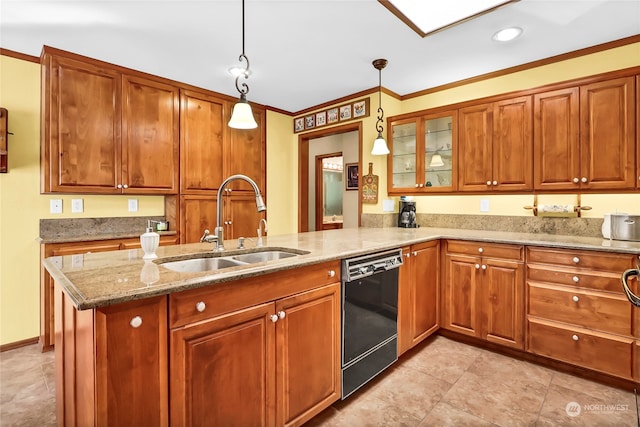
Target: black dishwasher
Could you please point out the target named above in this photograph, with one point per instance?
(369, 317)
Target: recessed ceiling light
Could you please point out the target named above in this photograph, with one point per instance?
(507, 34)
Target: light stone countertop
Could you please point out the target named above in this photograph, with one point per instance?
(105, 278)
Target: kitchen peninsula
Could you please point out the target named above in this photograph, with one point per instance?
(135, 339)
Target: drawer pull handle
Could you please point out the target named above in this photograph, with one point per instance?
(274, 318)
(136, 322)
(480, 250)
(281, 314)
(576, 259)
(575, 338)
(576, 279)
(575, 298)
(331, 273)
(201, 306)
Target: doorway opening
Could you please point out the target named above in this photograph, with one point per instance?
(329, 191)
(345, 140)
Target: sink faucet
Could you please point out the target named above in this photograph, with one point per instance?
(206, 237)
(259, 242)
(219, 231)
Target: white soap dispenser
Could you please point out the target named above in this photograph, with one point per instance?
(149, 242)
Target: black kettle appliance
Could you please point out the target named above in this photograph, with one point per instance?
(407, 214)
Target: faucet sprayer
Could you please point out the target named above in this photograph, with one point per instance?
(219, 231)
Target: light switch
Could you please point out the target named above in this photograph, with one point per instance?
(55, 206)
(77, 206)
(484, 205)
(133, 205)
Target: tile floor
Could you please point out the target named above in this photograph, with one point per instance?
(440, 383)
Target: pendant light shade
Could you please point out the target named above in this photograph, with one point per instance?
(380, 145)
(242, 116)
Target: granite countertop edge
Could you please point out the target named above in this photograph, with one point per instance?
(108, 278)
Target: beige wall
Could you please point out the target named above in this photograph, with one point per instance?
(21, 204)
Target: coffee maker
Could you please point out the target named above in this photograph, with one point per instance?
(407, 214)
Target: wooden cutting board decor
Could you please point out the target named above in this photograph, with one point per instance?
(370, 187)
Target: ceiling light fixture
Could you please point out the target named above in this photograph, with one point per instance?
(507, 34)
(429, 17)
(242, 116)
(380, 145)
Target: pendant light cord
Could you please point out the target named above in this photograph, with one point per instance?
(243, 88)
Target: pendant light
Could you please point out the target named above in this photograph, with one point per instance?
(380, 145)
(242, 116)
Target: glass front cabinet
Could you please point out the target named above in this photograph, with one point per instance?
(423, 151)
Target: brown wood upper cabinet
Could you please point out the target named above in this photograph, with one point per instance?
(106, 132)
(423, 154)
(584, 137)
(495, 146)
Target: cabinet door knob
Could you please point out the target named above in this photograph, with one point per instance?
(484, 267)
(576, 279)
(281, 314)
(488, 182)
(416, 185)
(407, 254)
(415, 253)
(576, 259)
(119, 186)
(575, 338)
(576, 180)
(331, 273)
(477, 266)
(136, 322)
(575, 298)
(274, 318)
(480, 250)
(421, 185)
(495, 182)
(125, 186)
(201, 306)
(584, 179)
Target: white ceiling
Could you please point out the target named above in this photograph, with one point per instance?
(306, 52)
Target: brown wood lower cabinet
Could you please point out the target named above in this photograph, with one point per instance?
(418, 294)
(482, 292)
(276, 363)
(577, 312)
(111, 364)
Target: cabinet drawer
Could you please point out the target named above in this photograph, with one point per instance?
(486, 249)
(602, 352)
(603, 281)
(604, 261)
(203, 303)
(607, 313)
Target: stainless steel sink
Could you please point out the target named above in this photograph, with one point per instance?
(195, 265)
(263, 256)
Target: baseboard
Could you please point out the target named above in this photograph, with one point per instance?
(18, 344)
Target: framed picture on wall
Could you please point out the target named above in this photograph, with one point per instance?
(352, 179)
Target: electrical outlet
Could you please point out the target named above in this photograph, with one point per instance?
(77, 206)
(133, 205)
(77, 261)
(484, 205)
(55, 206)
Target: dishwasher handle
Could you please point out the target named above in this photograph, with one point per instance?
(633, 298)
